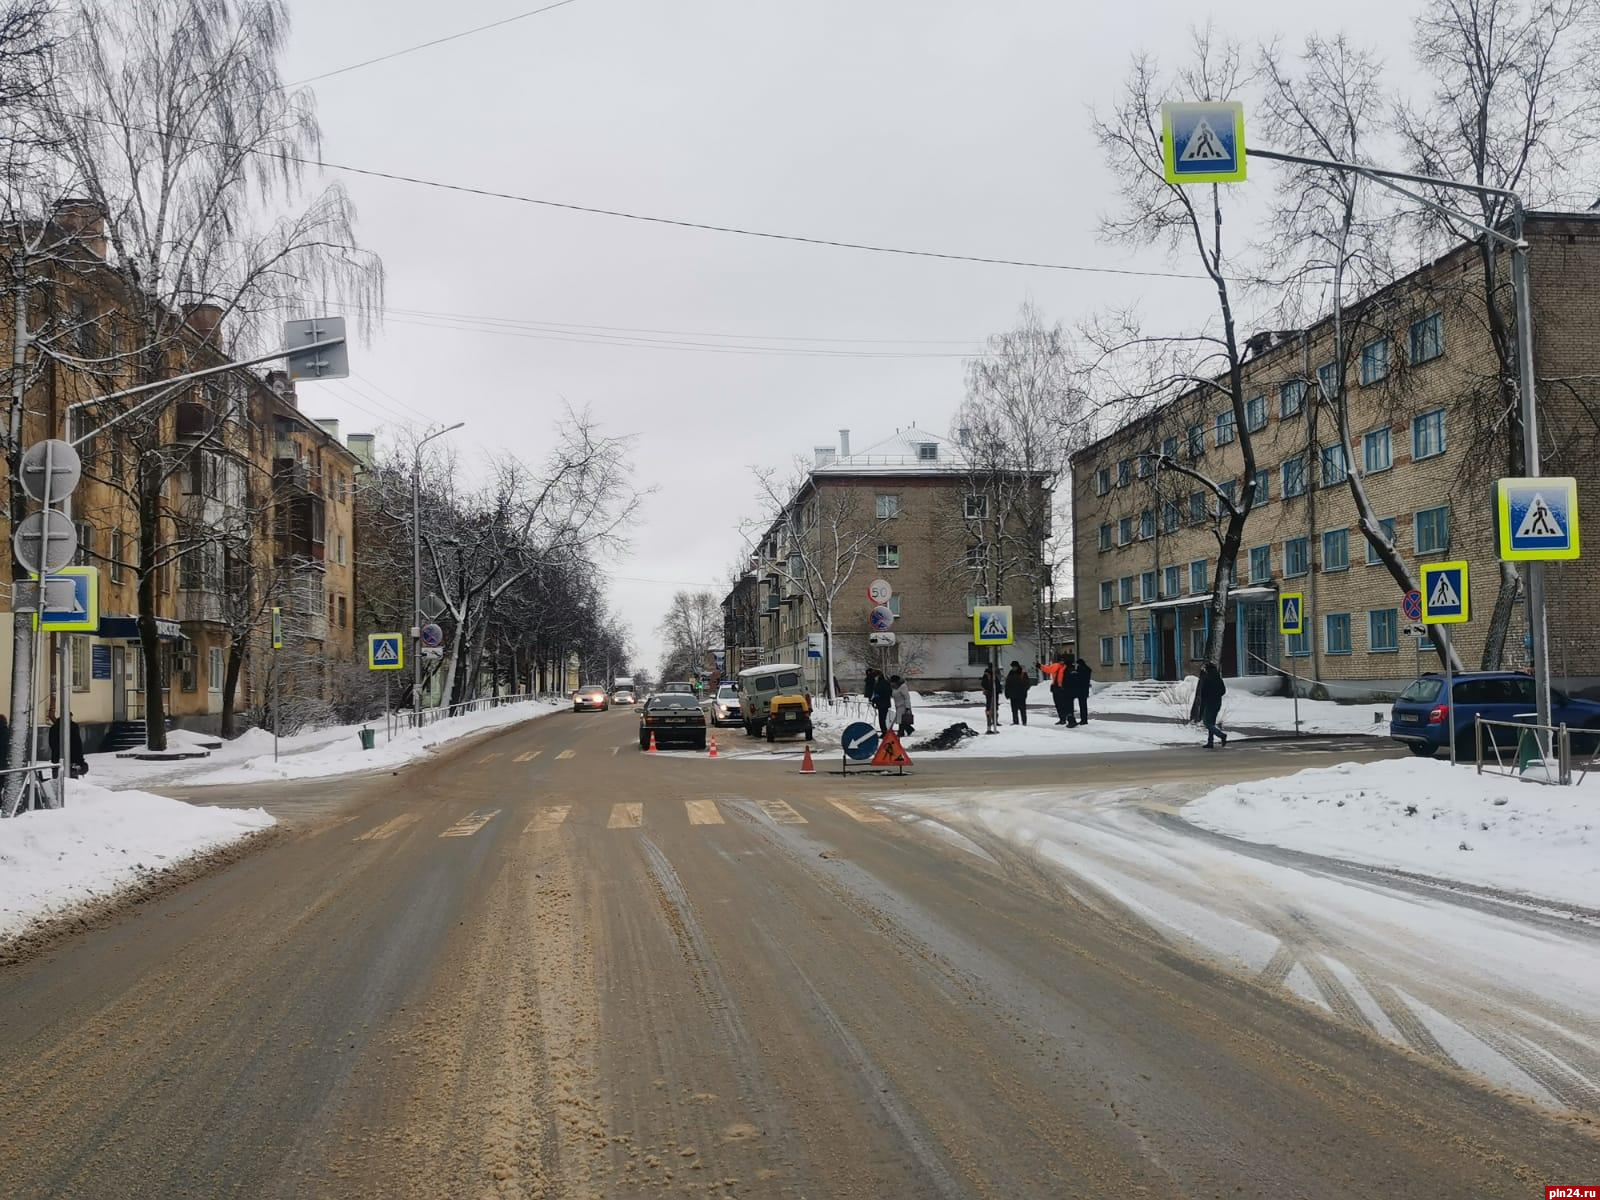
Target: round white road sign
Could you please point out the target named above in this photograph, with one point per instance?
(879, 591)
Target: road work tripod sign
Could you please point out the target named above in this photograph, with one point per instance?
(1292, 614)
(1203, 142)
(992, 625)
(385, 652)
(891, 753)
(1444, 594)
(1537, 518)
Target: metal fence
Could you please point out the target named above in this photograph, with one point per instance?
(1526, 743)
(420, 718)
(41, 792)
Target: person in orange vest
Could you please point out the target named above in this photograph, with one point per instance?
(1059, 673)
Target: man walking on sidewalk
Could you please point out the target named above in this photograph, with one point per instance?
(1017, 684)
(1080, 677)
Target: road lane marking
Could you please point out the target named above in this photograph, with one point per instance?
(626, 816)
(528, 756)
(388, 829)
(488, 758)
(856, 811)
(614, 750)
(548, 817)
(471, 823)
(703, 812)
(566, 754)
(781, 812)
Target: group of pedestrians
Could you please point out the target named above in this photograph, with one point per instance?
(884, 692)
(1069, 687)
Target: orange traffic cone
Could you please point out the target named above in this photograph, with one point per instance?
(652, 741)
(806, 767)
(713, 753)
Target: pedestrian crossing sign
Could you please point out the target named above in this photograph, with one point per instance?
(1203, 142)
(991, 625)
(385, 651)
(1444, 594)
(1537, 518)
(1291, 613)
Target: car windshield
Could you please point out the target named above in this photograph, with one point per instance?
(1421, 691)
(727, 692)
(671, 700)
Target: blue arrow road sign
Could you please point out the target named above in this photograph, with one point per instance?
(860, 741)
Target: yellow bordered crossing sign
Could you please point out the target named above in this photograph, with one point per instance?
(1291, 613)
(992, 625)
(1444, 594)
(1203, 142)
(71, 601)
(386, 651)
(1537, 518)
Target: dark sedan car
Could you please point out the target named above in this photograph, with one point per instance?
(672, 716)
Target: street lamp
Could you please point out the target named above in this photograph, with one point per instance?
(416, 560)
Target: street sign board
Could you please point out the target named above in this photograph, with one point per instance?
(1416, 630)
(1412, 605)
(880, 639)
(329, 362)
(814, 645)
(432, 653)
(879, 591)
(66, 469)
(881, 619)
(1203, 142)
(1291, 613)
(386, 651)
(71, 601)
(991, 625)
(1537, 518)
(891, 753)
(277, 628)
(25, 594)
(860, 741)
(1444, 593)
(431, 635)
(45, 542)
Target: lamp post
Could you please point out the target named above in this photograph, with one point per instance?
(416, 561)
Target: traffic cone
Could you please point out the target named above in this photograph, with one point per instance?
(806, 766)
(652, 741)
(713, 753)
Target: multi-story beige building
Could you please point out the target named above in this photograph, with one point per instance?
(1427, 439)
(926, 524)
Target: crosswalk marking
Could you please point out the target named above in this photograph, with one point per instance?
(626, 816)
(471, 823)
(857, 811)
(548, 817)
(388, 829)
(527, 756)
(488, 758)
(781, 812)
(566, 754)
(703, 812)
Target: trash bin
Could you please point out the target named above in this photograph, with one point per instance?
(369, 738)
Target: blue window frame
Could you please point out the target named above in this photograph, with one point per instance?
(1338, 639)
(1383, 630)
(1125, 589)
(1102, 481)
(1225, 430)
(1296, 557)
(1294, 476)
(1147, 524)
(1433, 530)
(1171, 517)
(1107, 649)
(1124, 530)
(1335, 464)
(1374, 363)
(1336, 550)
(1147, 585)
(1387, 525)
(1125, 646)
(1427, 434)
(1169, 447)
(1124, 472)
(1377, 451)
(1328, 377)
(1147, 464)
(1197, 441)
(1298, 645)
(1255, 413)
(1107, 591)
(1263, 488)
(1427, 338)
(1200, 576)
(1105, 536)
(1197, 508)
(1228, 488)
(1172, 581)
(1291, 397)
(1260, 564)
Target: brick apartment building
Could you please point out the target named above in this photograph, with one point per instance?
(1427, 440)
(929, 519)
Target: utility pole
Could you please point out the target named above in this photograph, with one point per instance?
(416, 563)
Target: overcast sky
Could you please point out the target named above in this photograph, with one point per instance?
(943, 126)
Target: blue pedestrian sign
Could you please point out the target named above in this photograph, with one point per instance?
(992, 626)
(71, 601)
(385, 652)
(1203, 142)
(1292, 614)
(1537, 518)
(1444, 593)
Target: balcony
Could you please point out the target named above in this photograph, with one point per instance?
(291, 475)
(194, 421)
(301, 520)
(201, 605)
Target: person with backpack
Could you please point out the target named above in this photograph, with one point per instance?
(901, 694)
(1082, 675)
(1208, 696)
(1017, 685)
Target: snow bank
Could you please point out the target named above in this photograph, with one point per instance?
(1243, 708)
(103, 841)
(1425, 816)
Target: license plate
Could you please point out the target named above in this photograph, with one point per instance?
(677, 720)
(1410, 719)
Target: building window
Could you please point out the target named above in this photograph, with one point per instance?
(85, 550)
(1197, 441)
(1338, 633)
(1335, 464)
(342, 550)
(1171, 518)
(978, 557)
(1377, 451)
(1291, 397)
(1172, 581)
(192, 569)
(1105, 536)
(1298, 645)
(1260, 564)
(1225, 429)
(1197, 508)
(1294, 476)
(889, 506)
(888, 555)
(1147, 585)
(1124, 530)
(1147, 464)
(1125, 649)
(894, 607)
(1124, 472)
(977, 508)
(1263, 488)
(1296, 556)
(1255, 413)
(1125, 589)
(344, 613)
(1427, 338)
(1199, 576)
(1169, 447)
(927, 451)
(1107, 650)
(1328, 379)
(1433, 530)
(1102, 481)
(1427, 434)
(1387, 525)
(1147, 524)
(1106, 590)
(1383, 630)
(1374, 361)
(977, 656)
(1336, 550)
(80, 664)
(1227, 488)
(214, 676)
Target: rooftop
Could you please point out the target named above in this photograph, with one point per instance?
(910, 451)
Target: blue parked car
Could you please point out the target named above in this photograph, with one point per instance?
(1421, 716)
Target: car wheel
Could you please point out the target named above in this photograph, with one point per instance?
(770, 736)
(1421, 750)
(808, 733)
(701, 744)
(644, 741)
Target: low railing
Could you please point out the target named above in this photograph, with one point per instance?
(42, 792)
(1530, 748)
(421, 718)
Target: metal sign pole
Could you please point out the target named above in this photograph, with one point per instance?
(277, 702)
(64, 669)
(1449, 694)
(388, 730)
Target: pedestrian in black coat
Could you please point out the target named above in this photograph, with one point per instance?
(1017, 685)
(882, 698)
(1208, 694)
(1082, 674)
(991, 706)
